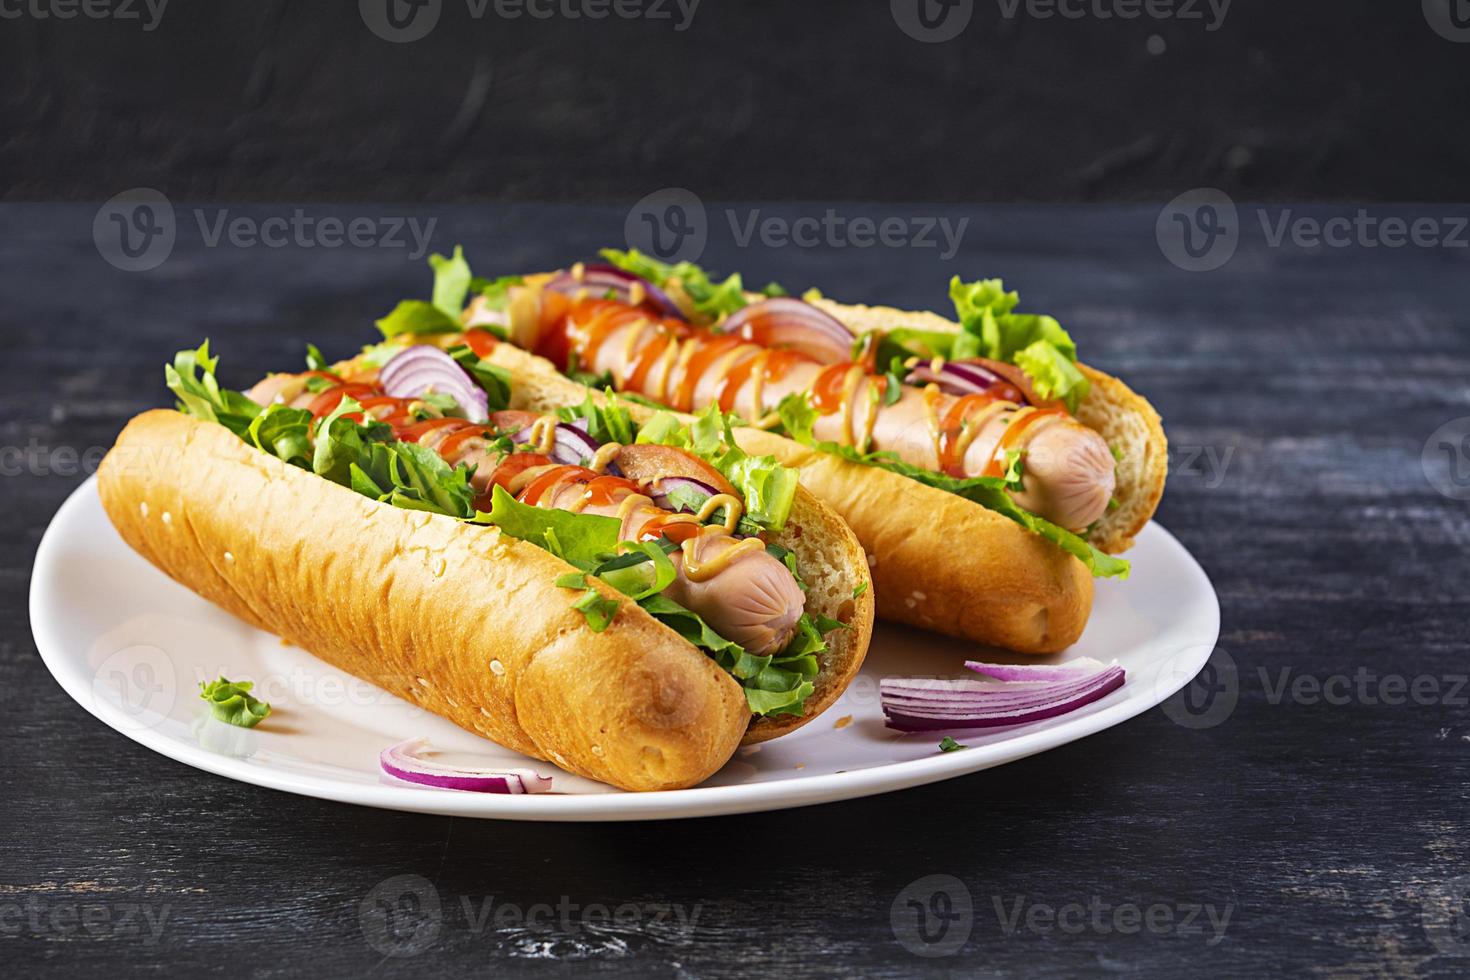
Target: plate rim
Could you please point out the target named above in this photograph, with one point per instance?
(698, 801)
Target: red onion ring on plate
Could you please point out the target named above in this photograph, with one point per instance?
(1017, 695)
(401, 761)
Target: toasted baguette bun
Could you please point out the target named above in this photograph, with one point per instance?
(1125, 419)
(938, 561)
(458, 619)
(829, 555)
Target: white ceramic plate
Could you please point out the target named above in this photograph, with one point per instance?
(131, 647)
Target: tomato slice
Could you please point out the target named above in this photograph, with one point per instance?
(326, 403)
(452, 446)
(649, 462)
(510, 467)
(481, 341)
(416, 431)
(562, 474)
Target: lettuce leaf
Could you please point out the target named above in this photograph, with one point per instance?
(583, 540)
(1035, 343)
(314, 359)
(284, 433)
(340, 442)
(414, 316)
(232, 703)
(767, 487)
(412, 477)
(644, 570)
(609, 422)
(1052, 373)
(452, 279)
(202, 397)
(711, 299)
(496, 292)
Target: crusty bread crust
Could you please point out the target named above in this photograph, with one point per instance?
(458, 619)
(829, 555)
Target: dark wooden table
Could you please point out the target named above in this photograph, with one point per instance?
(1285, 816)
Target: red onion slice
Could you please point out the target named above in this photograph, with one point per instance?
(1070, 671)
(1015, 696)
(784, 322)
(573, 447)
(659, 491)
(422, 369)
(401, 761)
(961, 378)
(599, 280)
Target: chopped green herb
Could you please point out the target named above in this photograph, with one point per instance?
(232, 703)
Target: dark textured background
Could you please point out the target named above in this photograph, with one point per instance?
(1334, 832)
(757, 99)
(1300, 388)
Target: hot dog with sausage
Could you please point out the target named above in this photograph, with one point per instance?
(988, 474)
(621, 592)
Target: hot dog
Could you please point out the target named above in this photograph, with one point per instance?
(623, 607)
(988, 473)
(1069, 482)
